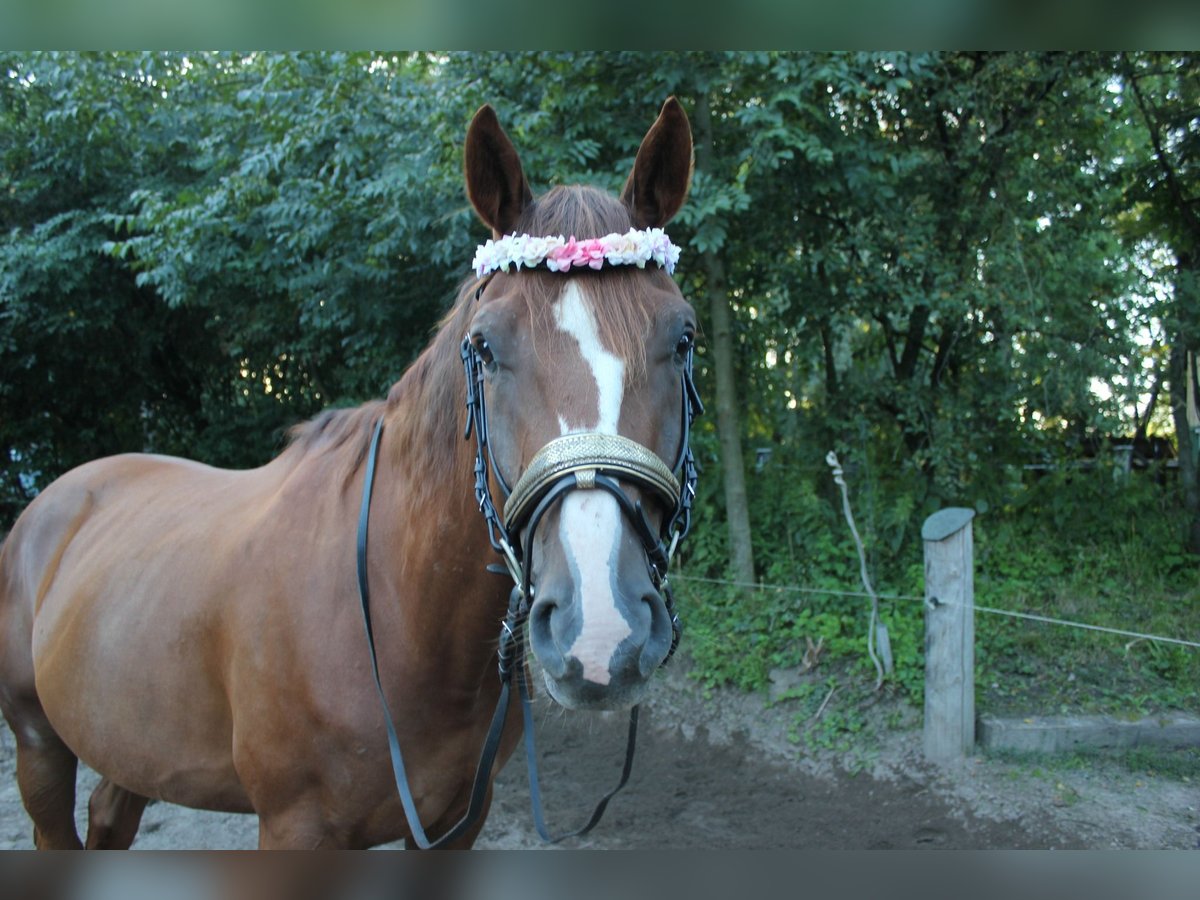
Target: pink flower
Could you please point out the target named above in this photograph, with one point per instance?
(590, 253)
(560, 259)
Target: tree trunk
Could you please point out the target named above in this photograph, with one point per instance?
(720, 343)
(1177, 370)
(1183, 344)
(733, 473)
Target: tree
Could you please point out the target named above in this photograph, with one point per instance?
(913, 258)
(1164, 193)
(78, 135)
(950, 222)
(202, 250)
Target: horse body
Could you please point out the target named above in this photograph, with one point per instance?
(172, 648)
(194, 634)
(159, 603)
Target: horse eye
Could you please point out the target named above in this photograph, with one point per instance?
(685, 345)
(483, 348)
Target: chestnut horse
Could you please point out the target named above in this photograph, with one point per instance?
(194, 634)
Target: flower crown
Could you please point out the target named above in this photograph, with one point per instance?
(633, 248)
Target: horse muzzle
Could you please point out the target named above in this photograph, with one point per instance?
(597, 624)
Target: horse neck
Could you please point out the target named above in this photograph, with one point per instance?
(424, 509)
(425, 417)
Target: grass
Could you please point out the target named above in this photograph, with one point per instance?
(1131, 581)
(1089, 551)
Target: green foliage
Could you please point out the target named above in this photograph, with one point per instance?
(201, 250)
(932, 260)
(1082, 544)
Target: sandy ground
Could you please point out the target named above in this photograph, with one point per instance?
(717, 770)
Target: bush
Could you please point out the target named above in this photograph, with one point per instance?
(1075, 545)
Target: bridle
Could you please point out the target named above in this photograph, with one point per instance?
(581, 461)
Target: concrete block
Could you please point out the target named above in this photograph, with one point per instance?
(1064, 734)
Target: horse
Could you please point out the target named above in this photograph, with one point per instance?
(194, 636)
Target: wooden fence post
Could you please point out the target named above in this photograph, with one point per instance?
(949, 635)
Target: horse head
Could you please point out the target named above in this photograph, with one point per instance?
(581, 345)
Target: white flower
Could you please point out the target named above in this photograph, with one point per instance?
(634, 248)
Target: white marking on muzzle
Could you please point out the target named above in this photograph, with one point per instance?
(590, 521)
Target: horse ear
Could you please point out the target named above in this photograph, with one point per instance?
(496, 184)
(662, 172)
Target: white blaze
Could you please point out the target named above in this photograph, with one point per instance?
(590, 521)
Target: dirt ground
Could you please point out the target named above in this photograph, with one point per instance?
(717, 770)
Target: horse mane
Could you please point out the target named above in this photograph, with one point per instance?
(337, 430)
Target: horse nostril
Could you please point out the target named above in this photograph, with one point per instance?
(541, 639)
(658, 641)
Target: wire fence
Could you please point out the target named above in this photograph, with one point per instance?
(1010, 613)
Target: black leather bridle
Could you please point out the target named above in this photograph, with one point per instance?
(574, 462)
(583, 461)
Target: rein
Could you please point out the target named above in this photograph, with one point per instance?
(573, 462)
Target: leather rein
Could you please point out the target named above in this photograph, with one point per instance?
(574, 462)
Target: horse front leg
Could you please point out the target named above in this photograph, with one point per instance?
(302, 826)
